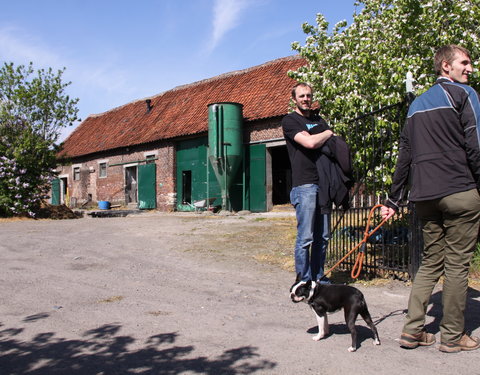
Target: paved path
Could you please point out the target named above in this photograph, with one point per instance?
(152, 294)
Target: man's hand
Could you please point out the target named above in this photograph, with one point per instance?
(387, 212)
(308, 140)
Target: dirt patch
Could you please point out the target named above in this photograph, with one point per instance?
(60, 212)
(47, 211)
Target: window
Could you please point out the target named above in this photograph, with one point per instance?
(102, 170)
(76, 174)
(150, 159)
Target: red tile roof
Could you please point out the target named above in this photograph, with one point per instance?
(264, 91)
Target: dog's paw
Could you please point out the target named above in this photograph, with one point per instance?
(352, 349)
(376, 342)
(317, 337)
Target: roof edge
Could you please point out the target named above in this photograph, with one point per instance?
(203, 81)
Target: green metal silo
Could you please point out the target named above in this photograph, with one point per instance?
(225, 144)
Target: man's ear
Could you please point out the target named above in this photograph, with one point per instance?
(446, 67)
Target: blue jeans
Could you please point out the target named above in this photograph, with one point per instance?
(313, 232)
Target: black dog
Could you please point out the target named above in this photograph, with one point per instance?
(328, 298)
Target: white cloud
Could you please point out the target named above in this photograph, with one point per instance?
(104, 76)
(20, 47)
(88, 75)
(98, 82)
(226, 16)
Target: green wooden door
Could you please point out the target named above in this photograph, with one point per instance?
(147, 195)
(257, 180)
(196, 179)
(56, 192)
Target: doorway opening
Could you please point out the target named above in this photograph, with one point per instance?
(186, 187)
(64, 196)
(281, 175)
(131, 184)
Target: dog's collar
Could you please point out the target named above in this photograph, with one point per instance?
(312, 290)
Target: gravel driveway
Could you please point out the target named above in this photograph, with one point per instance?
(160, 293)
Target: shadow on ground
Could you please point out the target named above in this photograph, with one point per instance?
(472, 312)
(104, 351)
(364, 333)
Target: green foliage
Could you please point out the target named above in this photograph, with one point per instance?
(36, 99)
(475, 266)
(26, 166)
(362, 66)
(32, 112)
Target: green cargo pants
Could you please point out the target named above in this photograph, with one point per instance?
(450, 228)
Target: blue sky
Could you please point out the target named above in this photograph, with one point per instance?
(115, 52)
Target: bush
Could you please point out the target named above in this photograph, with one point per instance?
(26, 170)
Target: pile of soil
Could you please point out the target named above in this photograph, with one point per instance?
(60, 212)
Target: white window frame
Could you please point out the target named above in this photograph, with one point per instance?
(74, 168)
(100, 164)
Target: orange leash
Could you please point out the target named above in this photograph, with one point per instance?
(357, 268)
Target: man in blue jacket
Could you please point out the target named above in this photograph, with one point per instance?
(439, 156)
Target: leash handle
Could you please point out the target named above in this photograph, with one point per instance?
(369, 220)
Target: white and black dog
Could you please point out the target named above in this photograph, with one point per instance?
(328, 298)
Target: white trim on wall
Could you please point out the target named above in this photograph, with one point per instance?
(130, 165)
(150, 153)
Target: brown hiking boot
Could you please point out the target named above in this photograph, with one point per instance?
(412, 341)
(465, 343)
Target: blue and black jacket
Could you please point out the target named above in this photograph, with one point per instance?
(439, 151)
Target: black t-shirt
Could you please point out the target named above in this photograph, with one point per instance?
(302, 160)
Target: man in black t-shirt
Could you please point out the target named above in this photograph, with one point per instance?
(313, 227)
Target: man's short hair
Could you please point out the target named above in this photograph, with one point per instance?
(447, 53)
(300, 84)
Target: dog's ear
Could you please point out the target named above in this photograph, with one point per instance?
(308, 284)
(299, 277)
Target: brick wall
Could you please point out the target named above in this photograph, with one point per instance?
(112, 187)
(264, 130)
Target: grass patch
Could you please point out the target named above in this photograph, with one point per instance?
(282, 260)
(271, 240)
(475, 265)
(265, 240)
(158, 313)
(111, 299)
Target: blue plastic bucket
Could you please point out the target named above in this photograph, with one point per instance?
(104, 205)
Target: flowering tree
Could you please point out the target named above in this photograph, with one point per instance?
(32, 112)
(362, 66)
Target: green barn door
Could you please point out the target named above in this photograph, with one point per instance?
(147, 197)
(195, 177)
(56, 192)
(257, 182)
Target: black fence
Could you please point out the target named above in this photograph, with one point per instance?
(395, 248)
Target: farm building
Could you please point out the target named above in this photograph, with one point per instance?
(218, 140)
